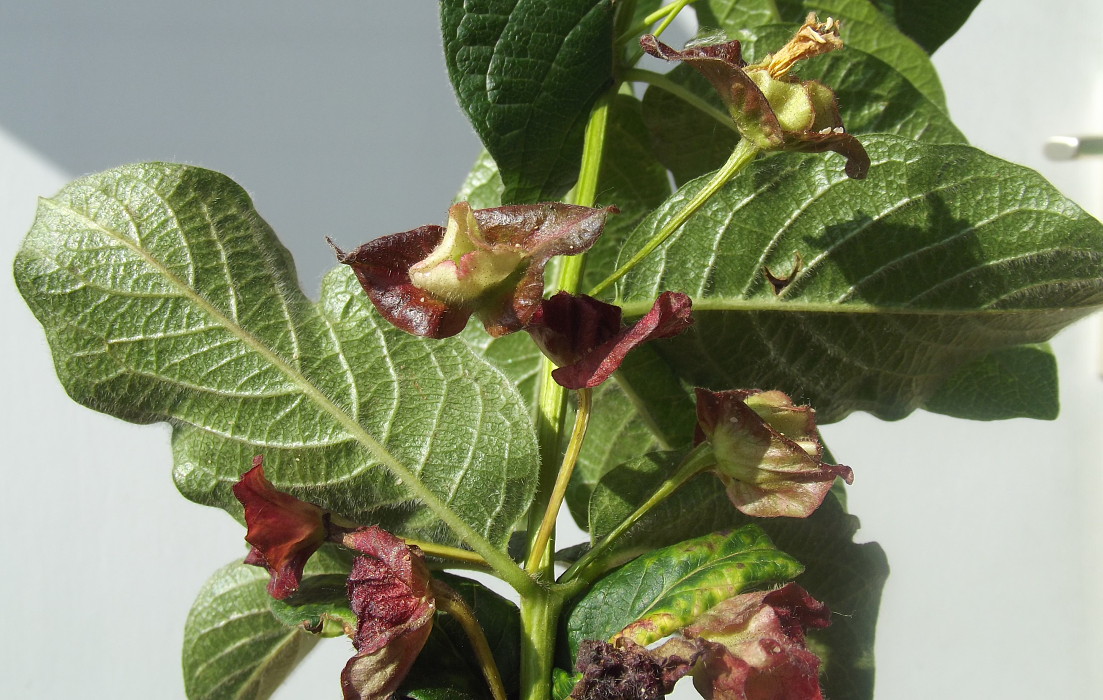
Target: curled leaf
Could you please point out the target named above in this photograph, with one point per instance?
(489, 262)
(389, 590)
(584, 336)
(768, 452)
(283, 530)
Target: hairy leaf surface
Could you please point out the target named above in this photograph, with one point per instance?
(527, 73)
(234, 649)
(666, 589)
(165, 297)
(893, 288)
(847, 576)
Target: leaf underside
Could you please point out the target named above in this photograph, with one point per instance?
(165, 297)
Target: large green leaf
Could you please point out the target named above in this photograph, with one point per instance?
(943, 255)
(847, 576)
(234, 649)
(165, 297)
(864, 28)
(527, 73)
(929, 22)
(447, 668)
(668, 588)
(873, 98)
(1018, 382)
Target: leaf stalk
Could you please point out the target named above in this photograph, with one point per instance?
(743, 154)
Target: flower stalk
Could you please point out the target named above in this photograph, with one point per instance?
(743, 154)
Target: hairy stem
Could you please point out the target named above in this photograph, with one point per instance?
(465, 556)
(743, 154)
(588, 566)
(451, 602)
(570, 459)
(539, 619)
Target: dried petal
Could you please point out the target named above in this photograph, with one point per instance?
(755, 646)
(584, 335)
(770, 108)
(627, 671)
(283, 530)
(768, 452)
(389, 590)
(490, 262)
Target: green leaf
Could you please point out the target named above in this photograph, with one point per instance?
(447, 669)
(941, 256)
(847, 576)
(1018, 382)
(929, 22)
(482, 188)
(165, 297)
(864, 28)
(321, 605)
(873, 98)
(527, 73)
(668, 588)
(233, 647)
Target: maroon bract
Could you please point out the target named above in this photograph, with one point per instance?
(754, 646)
(389, 590)
(770, 108)
(489, 262)
(768, 452)
(283, 530)
(585, 337)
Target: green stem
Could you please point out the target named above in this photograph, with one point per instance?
(465, 556)
(588, 566)
(743, 154)
(540, 551)
(552, 398)
(451, 602)
(539, 620)
(639, 75)
(668, 12)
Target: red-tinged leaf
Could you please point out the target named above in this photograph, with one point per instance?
(389, 590)
(768, 452)
(283, 530)
(585, 337)
(754, 646)
(490, 262)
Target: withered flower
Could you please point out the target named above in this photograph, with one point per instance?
(754, 649)
(488, 262)
(767, 452)
(283, 530)
(389, 590)
(772, 109)
(585, 338)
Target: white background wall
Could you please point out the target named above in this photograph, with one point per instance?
(338, 117)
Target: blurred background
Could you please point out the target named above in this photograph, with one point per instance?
(338, 118)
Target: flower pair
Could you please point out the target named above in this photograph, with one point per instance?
(490, 263)
(388, 588)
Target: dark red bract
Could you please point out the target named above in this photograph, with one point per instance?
(283, 530)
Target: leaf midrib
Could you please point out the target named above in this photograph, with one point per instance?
(409, 478)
